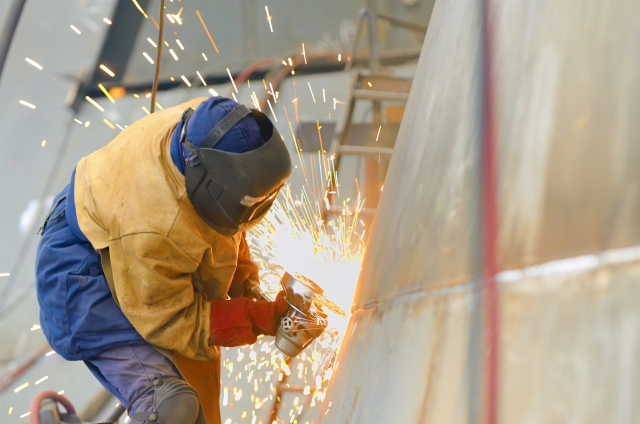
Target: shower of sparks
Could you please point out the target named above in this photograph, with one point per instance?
(42, 379)
(51, 352)
(295, 238)
(179, 44)
(324, 96)
(44, 143)
(378, 136)
(201, 79)
(34, 63)
(232, 81)
(107, 71)
(148, 57)
(205, 28)
(106, 93)
(146, 110)
(339, 57)
(27, 104)
(75, 29)
(22, 386)
(205, 57)
(5, 274)
(93, 102)
(10, 410)
(109, 124)
(186, 81)
(271, 107)
(173, 54)
(35, 327)
(304, 54)
(107, 21)
(312, 96)
(269, 17)
(140, 9)
(256, 103)
(152, 42)
(213, 92)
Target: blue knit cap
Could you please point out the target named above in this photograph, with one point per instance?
(242, 137)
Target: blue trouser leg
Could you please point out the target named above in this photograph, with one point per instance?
(127, 370)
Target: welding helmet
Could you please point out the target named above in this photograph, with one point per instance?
(231, 192)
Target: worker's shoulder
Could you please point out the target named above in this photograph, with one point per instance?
(168, 117)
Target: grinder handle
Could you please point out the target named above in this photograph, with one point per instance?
(257, 293)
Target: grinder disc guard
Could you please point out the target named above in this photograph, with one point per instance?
(304, 320)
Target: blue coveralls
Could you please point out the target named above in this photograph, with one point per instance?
(78, 314)
(79, 317)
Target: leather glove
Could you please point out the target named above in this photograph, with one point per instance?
(237, 322)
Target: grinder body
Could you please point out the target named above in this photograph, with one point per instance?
(303, 322)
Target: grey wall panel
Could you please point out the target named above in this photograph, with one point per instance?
(416, 368)
(567, 81)
(424, 227)
(568, 92)
(570, 343)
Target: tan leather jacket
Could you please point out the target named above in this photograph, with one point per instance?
(166, 261)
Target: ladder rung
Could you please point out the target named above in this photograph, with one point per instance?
(338, 210)
(363, 150)
(379, 95)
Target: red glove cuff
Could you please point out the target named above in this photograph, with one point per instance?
(230, 323)
(237, 322)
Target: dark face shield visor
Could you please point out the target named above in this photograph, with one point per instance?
(232, 192)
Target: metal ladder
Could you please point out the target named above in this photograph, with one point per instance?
(377, 86)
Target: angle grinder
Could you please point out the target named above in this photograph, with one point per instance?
(305, 320)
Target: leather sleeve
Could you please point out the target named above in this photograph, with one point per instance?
(245, 270)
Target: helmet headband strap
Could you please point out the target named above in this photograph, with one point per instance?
(222, 128)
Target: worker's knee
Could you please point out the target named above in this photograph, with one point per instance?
(175, 402)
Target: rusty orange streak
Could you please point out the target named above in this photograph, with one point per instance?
(205, 28)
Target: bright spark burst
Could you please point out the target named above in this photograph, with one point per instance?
(148, 57)
(34, 63)
(186, 81)
(209, 34)
(107, 70)
(107, 21)
(93, 102)
(140, 9)
(232, 81)
(173, 54)
(27, 104)
(201, 79)
(312, 96)
(75, 29)
(106, 93)
(269, 17)
(110, 124)
(295, 238)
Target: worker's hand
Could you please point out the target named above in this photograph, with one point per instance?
(237, 322)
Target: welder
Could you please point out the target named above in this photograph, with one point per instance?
(143, 269)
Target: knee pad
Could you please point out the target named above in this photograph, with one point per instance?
(175, 402)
